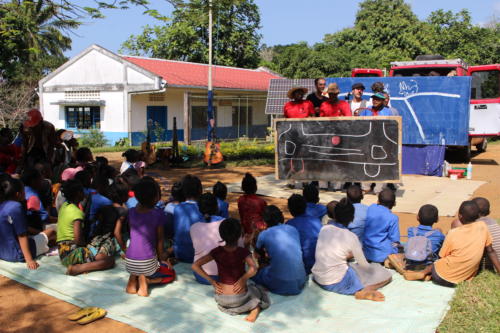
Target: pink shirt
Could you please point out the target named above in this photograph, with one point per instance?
(206, 237)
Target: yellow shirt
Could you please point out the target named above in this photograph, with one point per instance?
(462, 251)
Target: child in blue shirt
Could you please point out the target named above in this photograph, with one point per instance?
(357, 226)
(381, 229)
(285, 273)
(311, 194)
(176, 197)
(308, 228)
(220, 192)
(186, 214)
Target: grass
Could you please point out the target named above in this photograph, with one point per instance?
(475, 306)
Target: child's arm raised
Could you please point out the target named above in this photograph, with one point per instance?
(241, 284)
(78, 233)
(25, 248)
(196, 267)
(493, 257)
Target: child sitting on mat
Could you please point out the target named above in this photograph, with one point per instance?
(17, 244)
(220, 192)
(232, 292)
(145, 258)
(314, 209)
(381, 236)
(250, 206)
(461, 252)
(336, 247)
(73, 250)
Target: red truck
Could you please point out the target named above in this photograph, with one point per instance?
(484, 119)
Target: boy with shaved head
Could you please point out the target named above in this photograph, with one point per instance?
(462, 250)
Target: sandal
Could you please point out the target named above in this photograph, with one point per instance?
(82, 313)
(91, 317)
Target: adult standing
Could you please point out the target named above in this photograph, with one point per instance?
(298, 107)
(38, 139)
(357, 101)
(378, 109)
(319, 96)
(334, 107)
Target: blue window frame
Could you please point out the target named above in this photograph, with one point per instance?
(83, 117)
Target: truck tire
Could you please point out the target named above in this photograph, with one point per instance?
(482, 146)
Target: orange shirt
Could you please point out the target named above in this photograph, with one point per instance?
(462, 251)
(340, 108)
(302, 109)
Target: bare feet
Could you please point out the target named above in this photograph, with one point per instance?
(252, 316)
(428, 278)
(396, 261)
(143, 286)
(371, 295)
(414, 276)
(132, 285)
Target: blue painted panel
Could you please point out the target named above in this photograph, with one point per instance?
(435, 110)
(158, 114)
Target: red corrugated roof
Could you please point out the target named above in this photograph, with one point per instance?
(179, 73)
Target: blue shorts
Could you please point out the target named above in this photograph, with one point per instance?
(278, 286)
(202, 280)
(349, 284)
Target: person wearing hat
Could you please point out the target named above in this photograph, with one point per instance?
(334, 107)
(319, 96)
(38, 139)
(298, 107)
(357, 101)
(378, 107)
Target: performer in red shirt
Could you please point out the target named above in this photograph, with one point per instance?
(298, 107)
(334, 107)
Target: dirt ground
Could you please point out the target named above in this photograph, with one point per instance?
(23, 309)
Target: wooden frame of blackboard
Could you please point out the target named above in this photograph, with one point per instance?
(396, 118)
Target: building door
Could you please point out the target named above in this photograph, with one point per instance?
(158, 117)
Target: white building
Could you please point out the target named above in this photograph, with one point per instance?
(118, 94)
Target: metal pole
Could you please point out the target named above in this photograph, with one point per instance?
(210, 112)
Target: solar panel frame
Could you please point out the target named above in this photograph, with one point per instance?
(278, 88)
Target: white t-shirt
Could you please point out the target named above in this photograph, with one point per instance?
(334, 247)
(355, 105)
(125, 165)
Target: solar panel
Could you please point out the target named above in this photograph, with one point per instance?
(276, 95)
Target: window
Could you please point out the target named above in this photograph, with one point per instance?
(240, 112)
(82, 94)
(199, 116)
(485, 84)
(83, 117)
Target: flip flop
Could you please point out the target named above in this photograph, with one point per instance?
(82, 313)
(91, 317)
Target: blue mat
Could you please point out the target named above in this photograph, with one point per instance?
(186, 306)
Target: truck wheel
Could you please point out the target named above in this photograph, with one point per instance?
(482, 146)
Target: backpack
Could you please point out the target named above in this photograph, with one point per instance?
(419, 248)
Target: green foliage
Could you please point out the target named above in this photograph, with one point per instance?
(246, 150)
(475, 306)
(158, 132)
(386, 31)
(235, 34)
(123, 142)
(93, 138)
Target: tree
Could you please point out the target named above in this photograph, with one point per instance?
(185, 37)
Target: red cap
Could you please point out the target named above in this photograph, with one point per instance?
(34, 118)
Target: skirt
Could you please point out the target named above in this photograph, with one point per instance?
(255, 296)
(142, 267)
(72, 254)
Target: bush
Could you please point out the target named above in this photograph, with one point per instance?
(123, 142)
(245, 150)
(93, 138)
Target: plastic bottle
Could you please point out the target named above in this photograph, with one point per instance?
(469, 170)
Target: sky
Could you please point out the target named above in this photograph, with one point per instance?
(282, 21)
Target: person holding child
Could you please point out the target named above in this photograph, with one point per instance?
(145, 259)
(17, 243)
(461, 252)
(337, 245)
(234, 294)
(285, 274)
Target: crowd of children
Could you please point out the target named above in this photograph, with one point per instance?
(92, 214)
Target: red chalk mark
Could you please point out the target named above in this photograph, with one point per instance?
(335, 140)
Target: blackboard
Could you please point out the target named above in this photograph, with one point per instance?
(350, 149)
